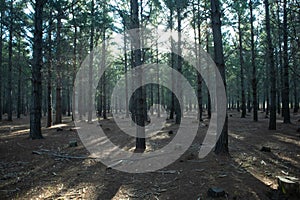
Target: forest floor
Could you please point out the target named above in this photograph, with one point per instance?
(247, 173)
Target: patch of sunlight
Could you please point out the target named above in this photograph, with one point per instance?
(90, 162)
(265, 180)
(125, 192)
(161, 136)
(61, 191)
(287, 139)
(236, 136)
(15, 133)
(78, 192)
(45, 192)
(130, 149)
(58, 126)
(294, 162)
(21, 132)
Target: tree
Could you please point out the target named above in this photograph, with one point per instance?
(285, 94)
(10, 54)
(170, 6)
(254, 80)
(242, 66)
(91, 61)
(139, 101)
(49, 81)
(2, 6)
(36, 103)
(270, 58)
(197, 31)
(222, 143)
(58, 105)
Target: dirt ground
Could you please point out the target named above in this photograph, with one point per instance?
(247, 173)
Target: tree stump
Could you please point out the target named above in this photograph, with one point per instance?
(288, 185)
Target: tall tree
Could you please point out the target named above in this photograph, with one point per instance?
(36, 103)
(222, 143)
(10, 55)
(74, 59)
(103, 63)
(171, 7)
(91, 61)
(286, 87)
(270, 58)
(254, 80)
(49, 80)
(2, 7)
(58, 105)
(199, 78)
(139, 100)
(19, 80)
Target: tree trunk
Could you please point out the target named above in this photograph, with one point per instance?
(91, 61)
(207, 50)
(254, 79)
(2, 4)
(9, 76)
(242, 68)
(295, 46)
(157, 80)
(74, 64)
(285, 94)
(172, 109)
(272, 122)
(126, 75)
(199, 78)
(36, 103)
(19, 82)
(103, 61)
(222, 143)
(178, 110)
(138, 97)
(58, 106)
(81, 93)
(49, 81)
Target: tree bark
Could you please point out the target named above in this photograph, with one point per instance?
(36, 103)
(126, 69)
(207, 50)
(74, 64)
(199, 78)
(58, 106)
(222, 143)
(103, 61)
(254, 79)
(49, 81)
(157, 80)
(172, 109)
(140, 101)
(9, 76)
(19, 82)
(178, 110)
(91, 61)
(1, 60)
(285, 94)
(272, 122)
(242, 68)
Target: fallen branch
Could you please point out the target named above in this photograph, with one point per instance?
(61, 156)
